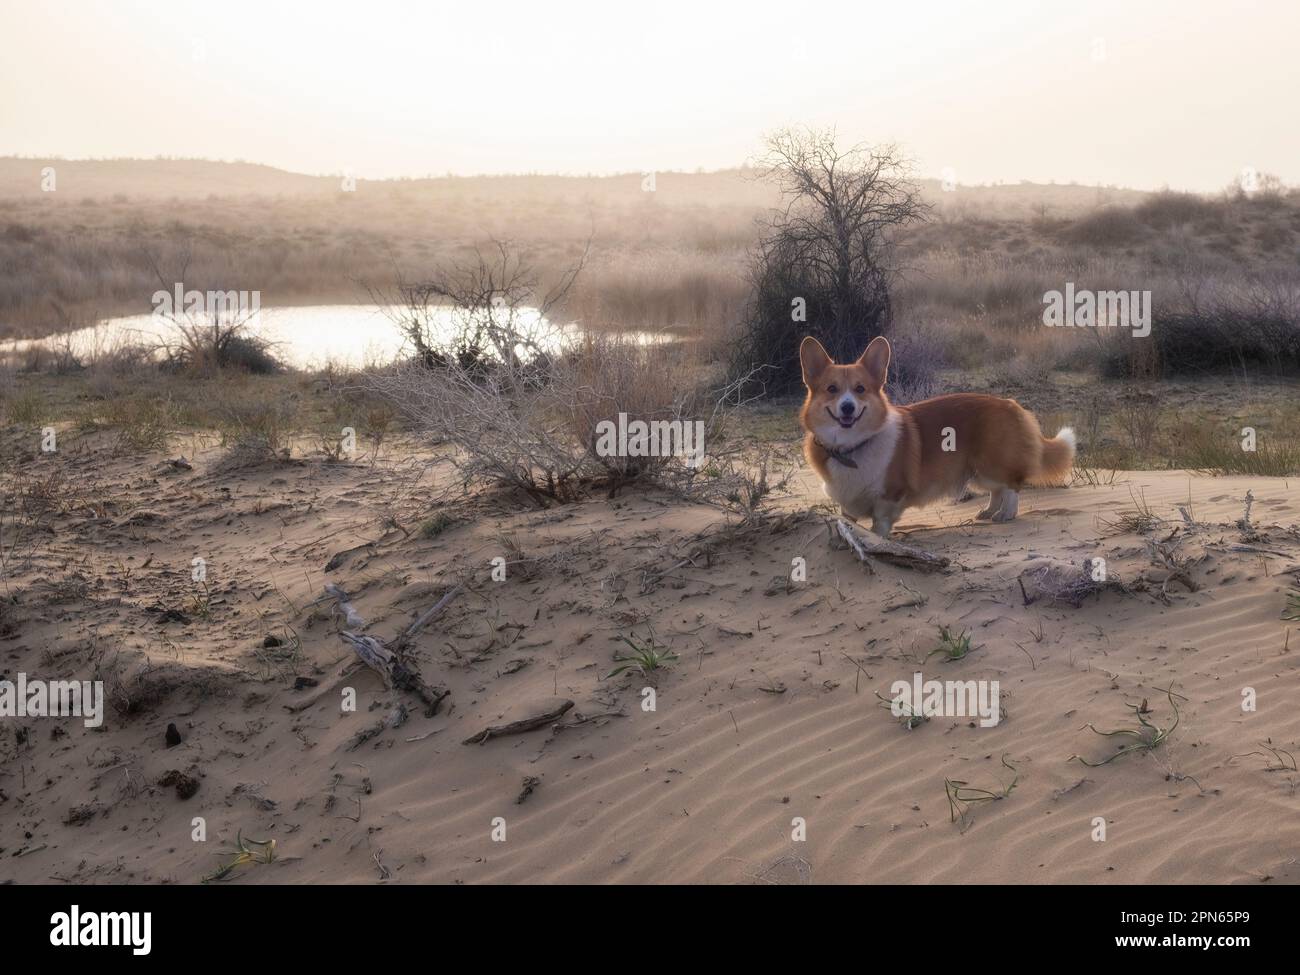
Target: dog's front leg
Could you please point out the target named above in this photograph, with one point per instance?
(883, 516)
(856, 510)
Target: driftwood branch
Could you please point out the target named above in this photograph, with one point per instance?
(390, 662)
(408, 636)
(373, 654)
(867, 545)
(524, 724)
(345, 607)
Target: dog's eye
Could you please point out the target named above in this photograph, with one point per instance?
(832, 389)
(860, 389)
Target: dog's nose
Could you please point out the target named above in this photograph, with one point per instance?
(847, 408)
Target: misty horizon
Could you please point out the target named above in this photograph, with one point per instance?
(1186, 96)
(1229, 182)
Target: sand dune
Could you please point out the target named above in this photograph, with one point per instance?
(769, 714)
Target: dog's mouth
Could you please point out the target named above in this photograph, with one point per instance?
(846, 423)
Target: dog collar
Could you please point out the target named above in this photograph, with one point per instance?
(842, 453)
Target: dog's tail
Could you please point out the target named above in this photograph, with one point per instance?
(1057, 457)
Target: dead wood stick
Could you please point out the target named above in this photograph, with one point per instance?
(522, 725)
(338, 558)
(388, 663)
(345, 607)
(407, 679)
(426, 734)
(858, 548)
(866, 543)
(405, 639)
(373, 653)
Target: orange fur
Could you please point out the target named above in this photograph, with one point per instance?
(878, 459)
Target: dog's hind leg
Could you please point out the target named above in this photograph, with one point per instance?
(995, 505)
(1010, 505)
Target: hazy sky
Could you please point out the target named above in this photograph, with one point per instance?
(1136, 93)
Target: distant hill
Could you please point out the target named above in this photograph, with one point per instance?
(155, 178)
(162, 179)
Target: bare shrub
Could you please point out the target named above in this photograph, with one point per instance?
(1138, 413)
(142, 422)
(523, 405)
(917, 357)
(490, 309)
(218, 339)
(503, 428)
(539, 429)
(747, 478)
(1094, 408)
(1217, 451)
(1107, 227)
(256, 429)
(25, 407)
(1170, 209)
(31, 497)
(1269, 191)
(1242, 326)
(1027, 370)
(605, 377)
(999, 290)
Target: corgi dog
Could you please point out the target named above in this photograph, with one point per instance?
(878, 459)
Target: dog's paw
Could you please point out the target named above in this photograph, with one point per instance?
(985, 515)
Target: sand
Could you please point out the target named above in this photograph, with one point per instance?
(768, 757)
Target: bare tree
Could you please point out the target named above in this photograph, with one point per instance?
(825, 265)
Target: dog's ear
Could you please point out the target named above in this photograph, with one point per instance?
(876, 359)
(813, 358)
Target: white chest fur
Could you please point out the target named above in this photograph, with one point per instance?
(857, 487)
